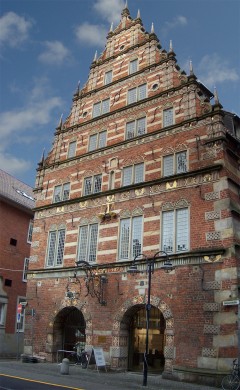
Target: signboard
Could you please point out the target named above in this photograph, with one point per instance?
(99, 357)
(231, 303)
(18, 318)
(19, 308)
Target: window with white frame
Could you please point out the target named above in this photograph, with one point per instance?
(25, 269)
(168, 117)
(30, 232)
(133, 66)
(61, 192)
(87, 243)
(3, 310)
(101, 108)
(130, 237)
(21, 324)
(72, 149)
(175, 230)
(135, 128)
(108, 77)
(133, 174)
(92, 184)
(175, 163)
(55, 249)
(97, 141)
(136, 94)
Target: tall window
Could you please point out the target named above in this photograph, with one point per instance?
(61, 192)
(136, 94)
(130, 240)
(72, 149)
(87, 246)
(55, 250)
(3, 309)
(97, 141)
(20, 325)
(175, 163)
(101, 108)
(133, 174)
(168, 117)
(135, 128)
(133, 66)
(92, 184)
(30, 231)
(25, 269)
(175, 230)
(108, 77)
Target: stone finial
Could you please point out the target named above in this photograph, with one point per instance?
(191, 67)
(95, 56)
(111, 27)
(126, 5)
(60, 122)
(216, 99)
(138, 14)
(152, 29)
(170, 46)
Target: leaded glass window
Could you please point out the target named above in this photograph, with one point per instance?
(72, 149)
(56, 241)
(135, 128)
(101, 108)
(108, 77)
(133, 174)
(92, 184)
(136, 94)
(175, 163)
(61, 192)
(175, 230)
(97, 141)
(168, 117)
(130, 239)
(133, 66)
(87, 246)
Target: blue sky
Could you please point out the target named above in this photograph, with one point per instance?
(47, 46)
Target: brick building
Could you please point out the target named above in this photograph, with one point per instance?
(16, 223)
(144, 168)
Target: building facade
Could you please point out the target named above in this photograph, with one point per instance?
(144, 169)
(16, 205)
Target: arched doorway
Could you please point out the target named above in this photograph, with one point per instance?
(68, 328)
(137, 339)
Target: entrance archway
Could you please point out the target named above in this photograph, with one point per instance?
(68, 328)
(137, 340)
(122, 336)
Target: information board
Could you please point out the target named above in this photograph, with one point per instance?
(99, 357)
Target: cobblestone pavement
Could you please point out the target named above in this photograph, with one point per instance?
(90, 378)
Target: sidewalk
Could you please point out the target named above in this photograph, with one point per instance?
(91, 378)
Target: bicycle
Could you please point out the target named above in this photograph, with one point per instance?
(232, 381)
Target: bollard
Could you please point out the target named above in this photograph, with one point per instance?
(64, 367)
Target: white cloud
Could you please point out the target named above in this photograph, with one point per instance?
(91, 34)
(213, 70)
(22, 125)
(55, 53)
(178, 21)
(109, 10)
(14, 29)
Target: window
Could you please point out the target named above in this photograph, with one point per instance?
(87, 247)
(30, 231)
(130, 241)
(168, 117)
(133, 66)
(93, 184)
(3, 309)
(101, 108)
(97, 141)
(135, 128)
(13, 241)
(175, 163)
(136, 94)
(20, 325)
(25, 269)
(56, 240)
(61, 192)
(175, 230)
(108, 77)
(72, 149)
(133, 174)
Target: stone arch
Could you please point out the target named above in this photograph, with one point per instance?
(62, 307)
(119, 348)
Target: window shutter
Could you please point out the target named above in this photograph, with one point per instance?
(132, 95)
(92, 142)
(182, 230)
(168, 165)
(167, 231)
(124, 238)
(138, 171)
